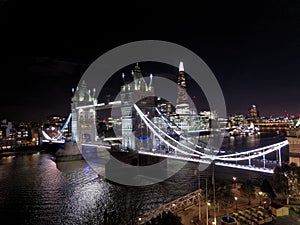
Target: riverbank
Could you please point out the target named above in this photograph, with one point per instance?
(241, 203)
(21, 150)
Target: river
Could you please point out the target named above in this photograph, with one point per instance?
(36, 190)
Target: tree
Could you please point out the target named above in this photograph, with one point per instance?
(280, 181)
(223, 192)
(166, 218)
(285, 180)
(267, 188)
(247, 190)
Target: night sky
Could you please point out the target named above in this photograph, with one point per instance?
(253, 48)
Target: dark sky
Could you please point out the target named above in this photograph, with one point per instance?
(253, 48)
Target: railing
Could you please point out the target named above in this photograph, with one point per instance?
(173, 206)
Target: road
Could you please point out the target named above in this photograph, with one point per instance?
(188, 214)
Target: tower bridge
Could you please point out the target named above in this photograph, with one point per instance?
(148, 131)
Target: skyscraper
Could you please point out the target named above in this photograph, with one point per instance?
(252, 112)
(181, 94)
(182, 103)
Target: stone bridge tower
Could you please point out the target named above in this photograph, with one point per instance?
(84, 119)
(141, 93)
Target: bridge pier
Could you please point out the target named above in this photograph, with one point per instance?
(264, 160)
(70, 152)
(249, 162)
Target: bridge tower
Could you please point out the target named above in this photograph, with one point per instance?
(293, 137)
(83, 119)
(136, 92)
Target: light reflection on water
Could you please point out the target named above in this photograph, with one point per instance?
(36, 190)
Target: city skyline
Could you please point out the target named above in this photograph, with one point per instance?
(252, 50)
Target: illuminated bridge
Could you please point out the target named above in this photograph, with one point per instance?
(141, 133)
(184, 149)
(200, 154)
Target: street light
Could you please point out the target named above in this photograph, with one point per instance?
(260, 194)
(207, 204)
(199, 197)
(234, 179)
(214, 190)
(236, 198)
(199, 208)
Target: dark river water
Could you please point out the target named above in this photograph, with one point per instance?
(36, 190)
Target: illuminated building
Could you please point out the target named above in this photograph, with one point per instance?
(56, 120)
(253, 112)
(6, 128)
(293, 136)
(164, 106)
(182, 104)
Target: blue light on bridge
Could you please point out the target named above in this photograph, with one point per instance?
(142, 138)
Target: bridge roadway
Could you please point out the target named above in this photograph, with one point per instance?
(208, 161)
(196, 159)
